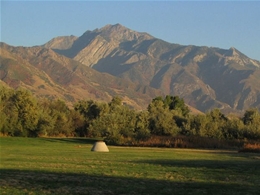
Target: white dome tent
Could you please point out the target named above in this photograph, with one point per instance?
(99, 146)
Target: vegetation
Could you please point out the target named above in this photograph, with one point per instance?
(22, 114)
(67, 166)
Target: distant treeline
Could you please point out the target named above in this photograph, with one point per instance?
(22, 114)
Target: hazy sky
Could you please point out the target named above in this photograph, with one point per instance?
(221, 24)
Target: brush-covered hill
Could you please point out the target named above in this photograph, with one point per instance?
(48, 74)
(205, 77)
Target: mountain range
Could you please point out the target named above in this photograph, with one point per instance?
(115, 60)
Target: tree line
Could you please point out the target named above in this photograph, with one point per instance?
(22, 114)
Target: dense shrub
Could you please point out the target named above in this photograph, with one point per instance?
(22, 114)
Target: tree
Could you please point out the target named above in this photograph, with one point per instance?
(90, 111)
(251, 120)
(115, 126)
(196, 125)
(115, 102)
(233, 129)
(172, 103)
(251, 116)
(142, 131)
(59, 105)
(46, 124)
(7, 121)
(215, 124)
(155, 105)
(178, 103)
(25, 106)
(161, 120)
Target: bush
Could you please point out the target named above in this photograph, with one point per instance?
(251, 147)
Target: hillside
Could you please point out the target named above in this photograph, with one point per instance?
(48, 74)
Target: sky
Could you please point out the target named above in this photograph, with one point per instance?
(221, 24)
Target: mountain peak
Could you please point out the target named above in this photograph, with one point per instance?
(235, 56)
(235, 51)
(110, 28)
(118, 32)
(113, 26)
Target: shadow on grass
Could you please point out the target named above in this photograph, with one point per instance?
(40, 182)
(248, 165)
(72, 140)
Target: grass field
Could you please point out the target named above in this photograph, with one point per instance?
(67, 166)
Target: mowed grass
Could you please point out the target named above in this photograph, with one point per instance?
(67, 166)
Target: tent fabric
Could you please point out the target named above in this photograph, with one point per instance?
(99, 146)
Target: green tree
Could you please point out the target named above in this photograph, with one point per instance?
(115, 126)
(25, 106)
(178, 103)
(90, 111)
(46, 124)
(142, 131)
(115, 102)
(7, 121)
(215, 122)
(161, 120)
(251, 120)
(233, 128)
(78, 124)
(196, 125)
(251, 116)
(55, 118)
(212, 124)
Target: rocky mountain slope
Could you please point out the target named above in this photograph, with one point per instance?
(205, 77)
(63, 42)
(48, 74)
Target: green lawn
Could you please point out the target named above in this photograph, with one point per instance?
(67, 166)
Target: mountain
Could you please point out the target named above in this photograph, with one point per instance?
(48, 74)
(206, 77)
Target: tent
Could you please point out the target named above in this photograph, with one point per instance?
(99, 146)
